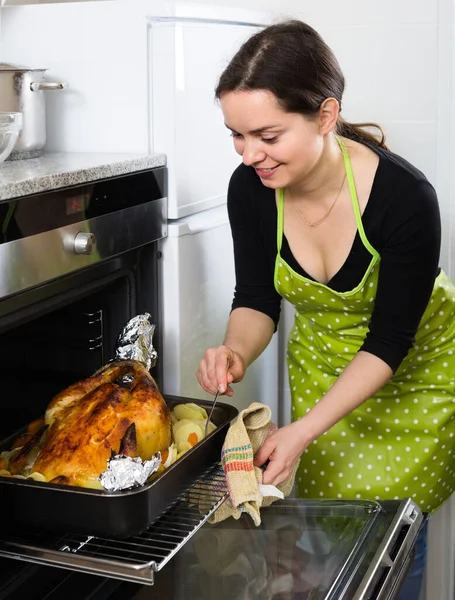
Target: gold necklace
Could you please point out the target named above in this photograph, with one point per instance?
(319, 221)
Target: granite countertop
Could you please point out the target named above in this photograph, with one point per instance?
(62, 169)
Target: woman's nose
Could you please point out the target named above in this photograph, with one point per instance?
(252, 154)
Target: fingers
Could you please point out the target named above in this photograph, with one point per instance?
(213, 374)
(276, 473)
(204, 380)
(263, 454)
(278, 465)
(229, 391)
(222, 362)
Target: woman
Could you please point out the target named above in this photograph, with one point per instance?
(325, 216)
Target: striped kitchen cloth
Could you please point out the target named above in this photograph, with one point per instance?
(244, 481)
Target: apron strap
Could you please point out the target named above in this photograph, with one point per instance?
(354, 199)
(279, 229)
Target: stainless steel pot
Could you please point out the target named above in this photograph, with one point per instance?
(22, 90)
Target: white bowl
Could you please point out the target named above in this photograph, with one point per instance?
(10, 128)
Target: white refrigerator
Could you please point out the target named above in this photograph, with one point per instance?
(187, 57)
(141, 78)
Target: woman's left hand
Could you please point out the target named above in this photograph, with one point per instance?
(282, 449)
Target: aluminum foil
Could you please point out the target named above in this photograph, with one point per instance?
(124, 472)
(136, 341)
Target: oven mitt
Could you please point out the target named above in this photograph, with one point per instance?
(244, 481)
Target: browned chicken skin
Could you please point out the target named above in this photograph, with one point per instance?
(95, 418)
(17, 464)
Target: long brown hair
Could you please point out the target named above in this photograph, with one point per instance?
(291, 60)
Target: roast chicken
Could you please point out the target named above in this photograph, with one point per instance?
(92, 420)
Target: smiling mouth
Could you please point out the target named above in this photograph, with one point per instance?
(266, 170)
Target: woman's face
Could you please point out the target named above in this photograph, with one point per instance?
(283, 147)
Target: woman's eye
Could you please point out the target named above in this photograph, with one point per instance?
(239, 136)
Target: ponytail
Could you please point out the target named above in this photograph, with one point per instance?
(358, 133)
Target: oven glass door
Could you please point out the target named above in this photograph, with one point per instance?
(310, 550)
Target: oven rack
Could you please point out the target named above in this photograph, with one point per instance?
(134, 559)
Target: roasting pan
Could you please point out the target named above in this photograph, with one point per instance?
(121, 514)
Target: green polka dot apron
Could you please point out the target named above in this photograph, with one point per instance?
(399, 443)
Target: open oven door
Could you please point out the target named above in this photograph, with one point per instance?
(329, 550)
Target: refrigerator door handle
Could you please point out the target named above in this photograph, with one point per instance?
(392, 557)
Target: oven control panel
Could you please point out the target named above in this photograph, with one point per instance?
(48, 235)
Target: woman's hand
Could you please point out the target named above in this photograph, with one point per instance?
(247, 335)
(282, 449)
(219, 368)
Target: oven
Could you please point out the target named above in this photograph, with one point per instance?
(76, 264)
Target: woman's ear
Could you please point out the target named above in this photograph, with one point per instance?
(328, 115)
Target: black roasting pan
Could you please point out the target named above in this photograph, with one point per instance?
(60, 508)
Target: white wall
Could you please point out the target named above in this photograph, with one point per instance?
(105, 106)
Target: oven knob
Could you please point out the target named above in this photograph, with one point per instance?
(84, 243)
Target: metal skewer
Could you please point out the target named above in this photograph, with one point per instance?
(211, 412)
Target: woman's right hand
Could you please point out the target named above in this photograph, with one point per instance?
(219, 368)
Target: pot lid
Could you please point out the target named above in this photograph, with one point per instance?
(21, 68)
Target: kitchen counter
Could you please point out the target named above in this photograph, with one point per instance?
(63, 169)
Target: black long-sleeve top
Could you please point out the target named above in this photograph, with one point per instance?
(401, 221)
